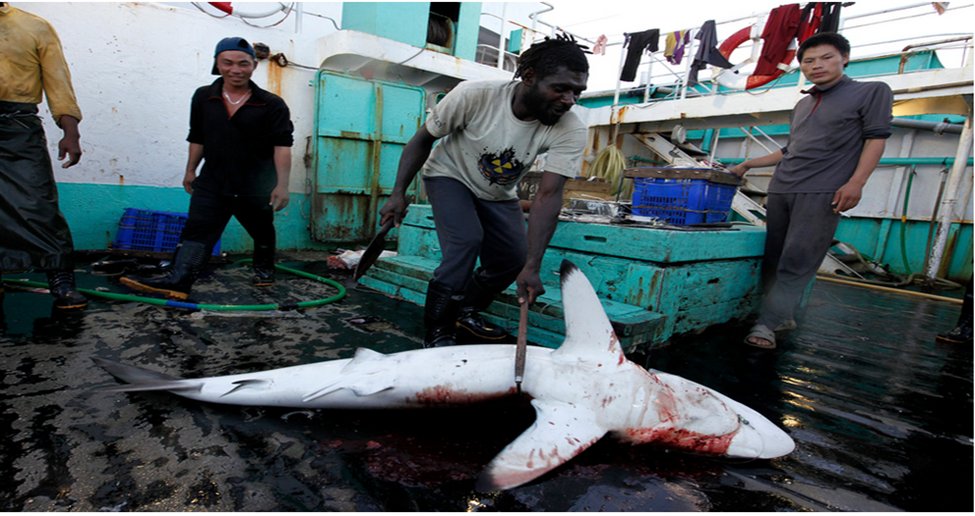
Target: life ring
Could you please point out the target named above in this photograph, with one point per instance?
(228, 7)
(732, 77)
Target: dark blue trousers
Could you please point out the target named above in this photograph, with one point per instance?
(800, 229)
(469, 229)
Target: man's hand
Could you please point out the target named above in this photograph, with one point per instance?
(529, 286)
(739, 169)
(847, 197)
(188, 179)
(280, 197)
(394, 208)
(70, 144)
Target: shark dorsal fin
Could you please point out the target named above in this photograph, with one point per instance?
(588, 334)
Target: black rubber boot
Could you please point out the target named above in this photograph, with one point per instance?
(66, 296)
(440, 316)
(191, 258)
(470, 322)
(263, 266)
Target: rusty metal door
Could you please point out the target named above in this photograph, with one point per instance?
(361, 128)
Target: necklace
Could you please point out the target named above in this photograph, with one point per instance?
(239, 100)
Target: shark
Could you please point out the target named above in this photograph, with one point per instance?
(581, 391)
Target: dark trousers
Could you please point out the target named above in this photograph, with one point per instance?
(800, 229)
(33, 231)
(210, 212)
(470, 228)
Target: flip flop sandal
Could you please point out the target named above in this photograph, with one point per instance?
(760, 331)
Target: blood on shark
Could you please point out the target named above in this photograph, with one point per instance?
(581, 391)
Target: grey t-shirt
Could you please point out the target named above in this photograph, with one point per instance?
(826, 135)
(488, 149)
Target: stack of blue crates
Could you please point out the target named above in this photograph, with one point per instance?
(152, 231)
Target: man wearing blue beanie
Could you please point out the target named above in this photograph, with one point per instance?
(243, 136)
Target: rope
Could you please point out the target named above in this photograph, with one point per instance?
(609, 165)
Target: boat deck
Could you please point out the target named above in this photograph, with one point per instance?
(881, 414)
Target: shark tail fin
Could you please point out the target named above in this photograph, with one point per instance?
(138, 379)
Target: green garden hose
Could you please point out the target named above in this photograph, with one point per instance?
(213, 308)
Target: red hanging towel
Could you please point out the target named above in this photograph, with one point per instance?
(780, 29)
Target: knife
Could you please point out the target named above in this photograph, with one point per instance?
(371, 254)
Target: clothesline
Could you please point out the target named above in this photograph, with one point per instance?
(783, 25)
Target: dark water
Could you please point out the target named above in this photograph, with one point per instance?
(882, 415)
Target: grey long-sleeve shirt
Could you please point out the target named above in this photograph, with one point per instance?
(826, 135)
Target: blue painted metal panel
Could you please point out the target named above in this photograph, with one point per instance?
(346, 107)
(401, 111)
(361, 128)
(468, 28)
(399, 21)
(341, 163)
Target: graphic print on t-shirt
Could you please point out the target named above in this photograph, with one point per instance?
(502, 169)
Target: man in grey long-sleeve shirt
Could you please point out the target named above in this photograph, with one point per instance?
(837, 135)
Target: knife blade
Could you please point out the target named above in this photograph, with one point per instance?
(371, 254)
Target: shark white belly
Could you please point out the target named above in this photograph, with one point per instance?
(581, 391)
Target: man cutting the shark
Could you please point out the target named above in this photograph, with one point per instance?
(491, 133)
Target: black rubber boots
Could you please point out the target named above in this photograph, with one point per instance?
(440, 316)
(191, 258)
(476, 299)
(263, 266)
(66, 295)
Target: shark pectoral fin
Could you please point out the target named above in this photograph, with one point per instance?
(367, 373)
(560, 431)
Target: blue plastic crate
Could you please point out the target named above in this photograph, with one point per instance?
(682, 201)
(153, 231)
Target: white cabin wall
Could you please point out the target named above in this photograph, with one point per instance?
(135, 71)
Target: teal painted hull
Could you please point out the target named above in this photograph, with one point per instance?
(881, 240)
(93, 212)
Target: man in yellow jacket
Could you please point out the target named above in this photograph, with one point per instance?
(33, 231)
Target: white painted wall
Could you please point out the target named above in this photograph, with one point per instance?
(136, 65)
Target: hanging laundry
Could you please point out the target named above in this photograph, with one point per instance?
(635, 44)
(675, 45)
(831, 17)
(812, 17)
(940, 7)
(780, 29)
(600, 46)
(707, 51)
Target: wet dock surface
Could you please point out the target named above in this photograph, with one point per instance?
(881, 414)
